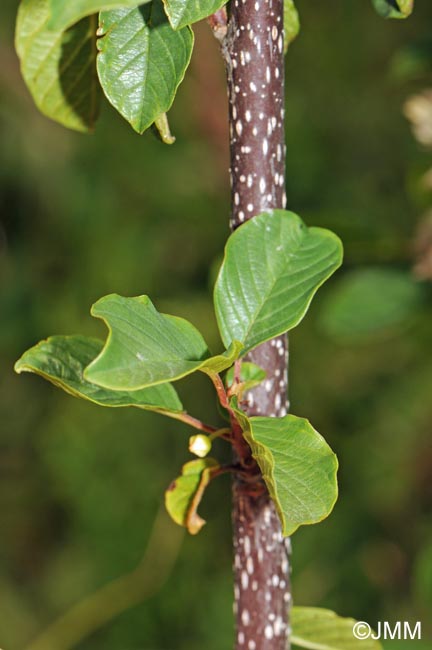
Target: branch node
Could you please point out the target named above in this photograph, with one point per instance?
(219, 24)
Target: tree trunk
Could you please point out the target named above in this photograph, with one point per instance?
(254, 56)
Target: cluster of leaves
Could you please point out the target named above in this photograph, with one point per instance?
(136, 52)
(140, 51)
(272, 267)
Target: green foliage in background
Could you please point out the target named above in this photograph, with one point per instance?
(372, 303)
(394, 8)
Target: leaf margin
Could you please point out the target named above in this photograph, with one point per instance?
(75, 121)
(258, 448)
(23, 365)
(210, 365)
(190, 518)
(136, 120)
(230, 258)
(58, 21)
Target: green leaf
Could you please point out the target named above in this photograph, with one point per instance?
(145, 347)
(186, 12)
(272, 268)
(141, 61)
(221, 362)
(394, 8)
(370, 303)
(251, 375)
(59, 67)
(322, 629)
(185, 493)
(291, 23)
(65, 13)
(62, 360)
(297, 465)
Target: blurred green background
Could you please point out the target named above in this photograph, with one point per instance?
(81, 216)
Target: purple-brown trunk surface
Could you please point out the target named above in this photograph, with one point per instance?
(253, 49)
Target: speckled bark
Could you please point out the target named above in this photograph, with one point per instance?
(253, 50)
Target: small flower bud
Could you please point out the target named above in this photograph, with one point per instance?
(200, 445)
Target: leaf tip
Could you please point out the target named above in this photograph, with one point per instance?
(19, 366)
(195, 523)
(288, 531)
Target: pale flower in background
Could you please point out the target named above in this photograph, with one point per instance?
(418, 109)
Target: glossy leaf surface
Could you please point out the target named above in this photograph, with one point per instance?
(272, 268)
(145, 347)
(64, 13)
(185, 493)
(59, 67)
(187, 12)
(62, 360)
(322, 629)
(297, 465)
(141, 61)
